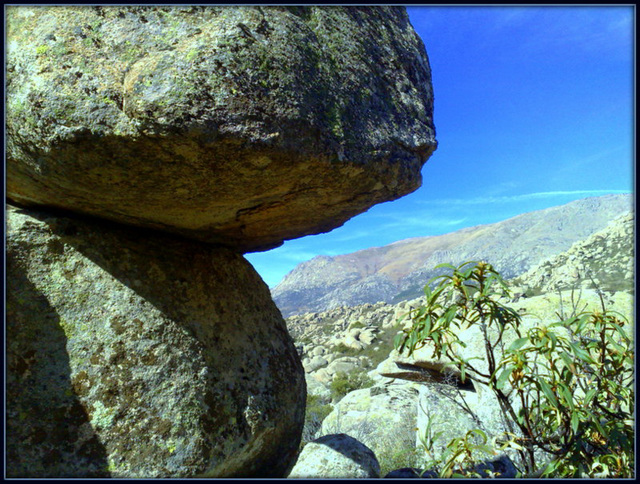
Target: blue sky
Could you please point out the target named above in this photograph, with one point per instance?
(533, 108)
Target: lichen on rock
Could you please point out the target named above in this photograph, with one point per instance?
(132, 354)
(243, 126)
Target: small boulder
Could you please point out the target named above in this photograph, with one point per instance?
(314, 363)
(383, 417)
(502, 467)
(336, 456)
(409, 473)
(318, 351)
(345, 364)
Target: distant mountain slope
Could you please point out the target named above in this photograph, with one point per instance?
(400, 270)
(605, 258)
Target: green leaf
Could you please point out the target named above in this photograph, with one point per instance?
(564, 391)
(502, 379)
(581, 353)
(517, 344)
(463, 372)
(575, 422)
(445, 264)
(591, 393)
(551, 467)
(581, 323)
(546, 389)
(598, 425)
(478, 432)
(621, 331)
(487, 285)
(435, 295)
(419, 312)
(450, 314)
(412, 340)
(553, 338)
(568, 361)
(424, 334)
(398, 342)
(465, 275)
(615, 345)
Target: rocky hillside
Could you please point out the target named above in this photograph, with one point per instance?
(604, 259)
(358, 338)
(399, 271)
(359, 385)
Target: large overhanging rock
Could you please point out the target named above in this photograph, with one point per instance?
(136, 355)
(243, 126)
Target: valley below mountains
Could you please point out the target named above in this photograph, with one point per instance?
(398, 271)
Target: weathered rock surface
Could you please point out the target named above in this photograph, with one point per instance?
(400, 270)
(131, 354)
(605, 259)
(243, 126)
(382, 417)
(336, 456)
(407, 473)
(502, 467)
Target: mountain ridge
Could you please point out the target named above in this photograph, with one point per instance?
(398, 271)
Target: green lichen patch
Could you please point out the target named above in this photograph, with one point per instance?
(114, 370)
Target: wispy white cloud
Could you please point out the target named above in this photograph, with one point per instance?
(518, 198)
(571, 165)
(585, 28)
(424, 221)
(348, 236)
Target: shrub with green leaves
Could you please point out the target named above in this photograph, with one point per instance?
(315, 412)
(344, 383)
(565, 388)
(344, 350)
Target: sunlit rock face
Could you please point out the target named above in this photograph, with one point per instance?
(241, 126)
(132, 354)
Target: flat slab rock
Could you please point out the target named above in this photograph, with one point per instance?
(243, 126)
(134, 355)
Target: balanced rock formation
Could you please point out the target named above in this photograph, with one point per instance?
(242, 126)
(147, 148)
(131, 354)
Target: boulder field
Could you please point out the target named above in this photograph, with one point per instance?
(148, 148)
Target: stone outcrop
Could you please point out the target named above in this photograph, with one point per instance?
(382, 417)
(428, 390)
(131, 354)
(336, 456)
(148, 147)
(605, 259)
(399, 271)
(242, 126)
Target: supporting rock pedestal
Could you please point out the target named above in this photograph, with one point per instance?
(133, 354)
